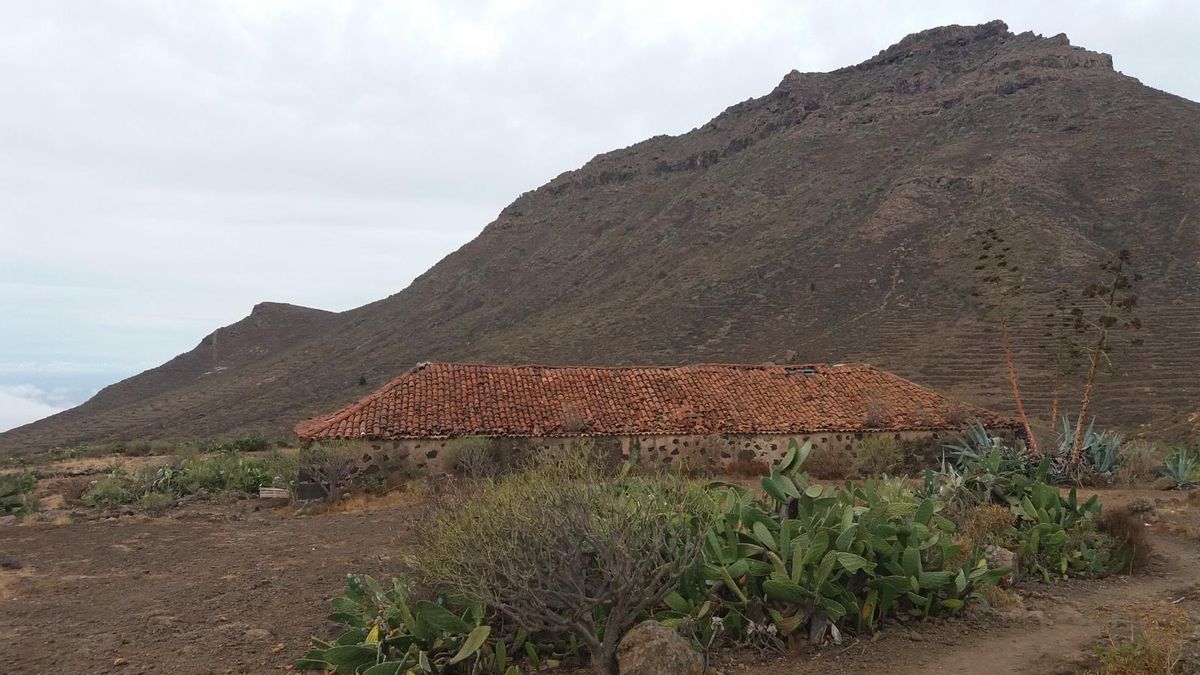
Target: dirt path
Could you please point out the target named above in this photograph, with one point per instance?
(198, 592)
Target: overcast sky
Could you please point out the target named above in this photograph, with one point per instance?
(166, 165)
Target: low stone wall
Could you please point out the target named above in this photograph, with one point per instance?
(831, 457)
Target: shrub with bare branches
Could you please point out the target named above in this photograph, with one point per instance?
(565, 546)
(328, 466)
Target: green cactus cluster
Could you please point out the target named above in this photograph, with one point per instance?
(827, 558)
(390, 633)
(17, 494)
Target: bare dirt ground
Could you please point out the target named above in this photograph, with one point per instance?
(204, 590)
(230, 589)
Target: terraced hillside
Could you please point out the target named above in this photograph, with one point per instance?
(832, 219)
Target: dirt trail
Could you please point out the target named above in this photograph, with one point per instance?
(1075, 618)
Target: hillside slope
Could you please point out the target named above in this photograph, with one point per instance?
(270, 328)
(830, 220)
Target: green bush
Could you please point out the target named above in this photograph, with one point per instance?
(16, 493)
(156, 488)
(155, 503)
(583, 553)
(110, 492)
(252, 443)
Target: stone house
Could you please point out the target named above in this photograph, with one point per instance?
(707, 415)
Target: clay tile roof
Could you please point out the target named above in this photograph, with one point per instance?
(440, 400)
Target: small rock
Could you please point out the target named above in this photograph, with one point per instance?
(1001, 557)
(120, 661)
(1164, 483)
(915, 636)
(651, 648)
(258, 634)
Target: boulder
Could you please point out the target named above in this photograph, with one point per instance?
(997, 556)
(651, 648)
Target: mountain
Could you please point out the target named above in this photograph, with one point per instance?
(115, 411)
(834, 219)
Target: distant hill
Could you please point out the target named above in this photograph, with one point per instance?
(829, 220)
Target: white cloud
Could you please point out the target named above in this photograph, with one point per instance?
(22, 404)
(166, 165)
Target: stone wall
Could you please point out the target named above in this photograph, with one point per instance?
(715, 454)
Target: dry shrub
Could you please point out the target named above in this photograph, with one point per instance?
(876, 416)
(566, 547)
(474, 458)
(694, 467)
(329, 466)
(1003, 598)
(746, 468)
(1141, 460)
(1128, 533)
(831, 461)
(73, 489)
(1154, 645)
(988, 524)
(877, 455)
(410, 494)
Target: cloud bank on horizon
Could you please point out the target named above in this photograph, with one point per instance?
(166, 165)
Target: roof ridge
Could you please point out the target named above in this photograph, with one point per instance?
(700, 364)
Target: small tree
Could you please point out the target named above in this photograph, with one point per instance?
(563, 547)
(329, 466)
(1113, 316)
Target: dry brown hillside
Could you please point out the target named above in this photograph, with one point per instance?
(829, 219)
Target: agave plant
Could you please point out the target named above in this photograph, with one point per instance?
(1181, 466)
(1100, 448)
(972, 444)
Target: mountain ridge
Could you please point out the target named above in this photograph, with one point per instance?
(830, 219)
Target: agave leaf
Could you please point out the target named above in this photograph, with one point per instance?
(785, 591)
(474, 641)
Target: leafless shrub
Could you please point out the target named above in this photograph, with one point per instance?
(876, 415)
(74, 488)
(879, 454)
(831, 461)
(574, 421)
(1129, 532)
(474, 458)
(329, 466)
(566, 547)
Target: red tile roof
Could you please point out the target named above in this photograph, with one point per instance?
(438, 400)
